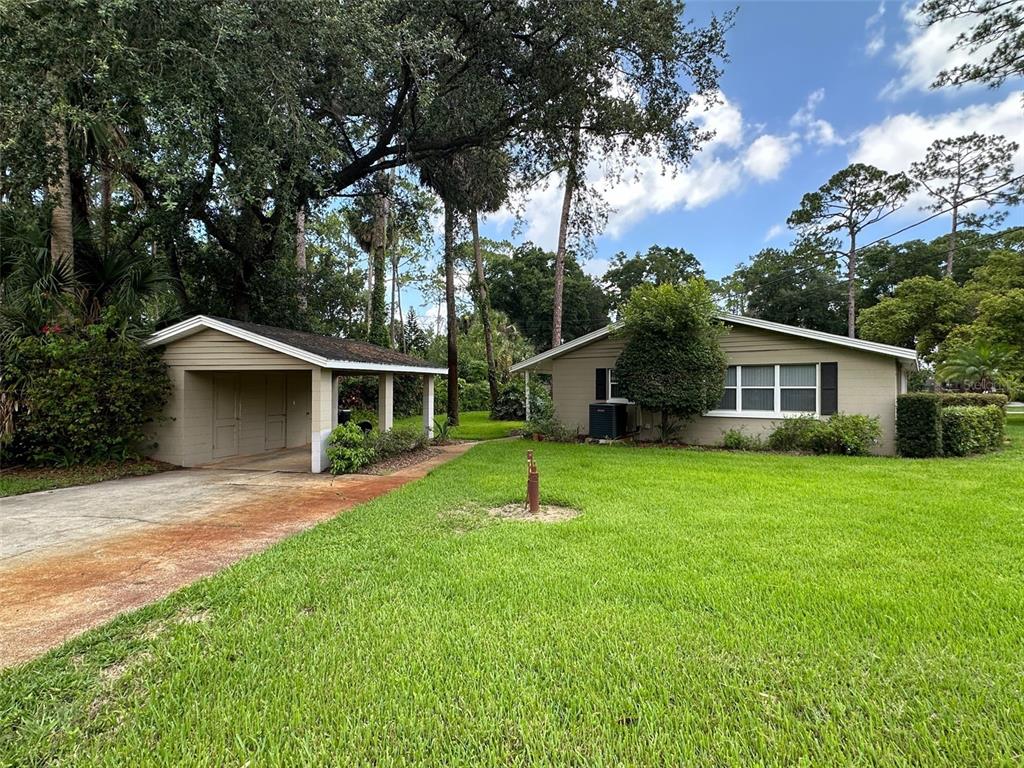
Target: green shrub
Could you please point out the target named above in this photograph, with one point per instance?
(349, 449)
(472, 397)
(962, 430)
(396, 441)
(949, 399)
(850, 434)
(996, 418)
(547, 427)
(968, 429)
(81, 397)
(511, 405)
(919, 425)
(795, 433)
(738, 440)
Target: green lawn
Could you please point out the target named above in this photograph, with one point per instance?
(473, 425)
(29, 480)
(708, 608)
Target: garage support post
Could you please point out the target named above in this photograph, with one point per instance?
(526, 381)
(428, 404)
(323, 415)
(385, 401)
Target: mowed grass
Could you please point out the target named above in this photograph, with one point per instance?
(708, 608)
(473, 425)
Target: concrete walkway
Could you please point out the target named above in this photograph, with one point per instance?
(73, 558)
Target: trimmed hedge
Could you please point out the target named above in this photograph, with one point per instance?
(919, 425)
(950, 399)
(976, 422)
(968, 429)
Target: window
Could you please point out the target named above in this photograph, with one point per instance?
(798, 388)
(728, 401)
(757, 383)
(614, 392)
(770, 391)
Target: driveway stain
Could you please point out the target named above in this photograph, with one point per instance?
(59, 589)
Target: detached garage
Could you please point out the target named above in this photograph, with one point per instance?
(266, 394)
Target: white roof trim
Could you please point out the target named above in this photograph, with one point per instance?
(200, 322)
(767, 325)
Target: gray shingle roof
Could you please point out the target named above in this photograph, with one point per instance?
(330, 347)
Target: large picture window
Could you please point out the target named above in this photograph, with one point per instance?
(770, 390)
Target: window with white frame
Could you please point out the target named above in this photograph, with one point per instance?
(798, 388)
(776, 389)
(728, 401)
(614, 391)
(757, 388)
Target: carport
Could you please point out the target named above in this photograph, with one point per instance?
(247, 393)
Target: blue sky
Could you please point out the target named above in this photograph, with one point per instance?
(811, 86)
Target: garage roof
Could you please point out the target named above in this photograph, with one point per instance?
(325, 351)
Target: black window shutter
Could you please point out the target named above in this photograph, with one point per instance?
(829, 388)
(601, 382)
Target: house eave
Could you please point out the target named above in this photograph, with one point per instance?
(199, 323)
(907, 356)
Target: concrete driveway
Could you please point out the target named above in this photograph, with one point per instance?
(73, 558)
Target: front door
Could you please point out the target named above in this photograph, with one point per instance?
(225, 415)
(277, 411)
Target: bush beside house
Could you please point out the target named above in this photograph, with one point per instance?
(349, 449)
(842, 434)
(79, 397)
(949, 423)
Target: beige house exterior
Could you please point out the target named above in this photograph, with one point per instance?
(241, 389)
(775, 371)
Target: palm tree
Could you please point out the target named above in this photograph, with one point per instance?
(979, 364)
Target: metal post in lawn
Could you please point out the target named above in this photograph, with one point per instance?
(532, 484)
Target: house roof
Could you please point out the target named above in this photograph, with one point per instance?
(325, 351)
(753, 322)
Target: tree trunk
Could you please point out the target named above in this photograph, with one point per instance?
(563, 232)
(378, 248)
(449, 297)
(300, 251)
(394, 297)
(300, 238)
(851, 287)
(106, 201)
(483, 304)
(952, 243)
(401, 317)
(62, 242)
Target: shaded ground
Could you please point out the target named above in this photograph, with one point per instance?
(74, 558)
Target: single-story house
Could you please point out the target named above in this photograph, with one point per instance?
(774, 371)
(241, 389)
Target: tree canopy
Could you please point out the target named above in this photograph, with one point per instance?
(521, 283)
(657, 265)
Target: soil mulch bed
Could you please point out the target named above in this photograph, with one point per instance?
(401, 461)
(548, 513)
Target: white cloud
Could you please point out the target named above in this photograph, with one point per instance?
(720, 168)
(926, 52)
(815, 129)
(768, 155)
(876, 31)
(774, 231)
(899, 140)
